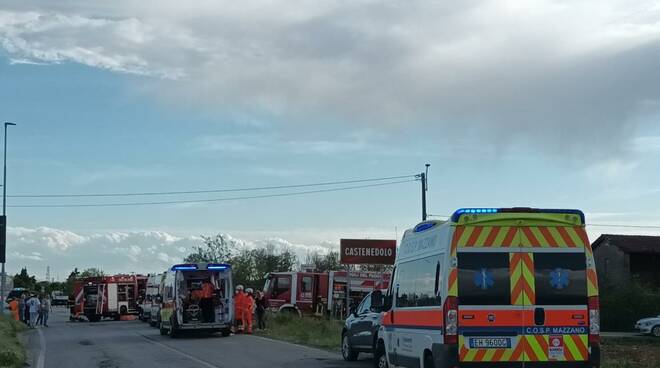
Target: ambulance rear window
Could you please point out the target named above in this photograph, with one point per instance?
(483, 279)
(560, 278)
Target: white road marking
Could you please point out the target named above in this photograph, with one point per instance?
(194, 359)
(41, 360)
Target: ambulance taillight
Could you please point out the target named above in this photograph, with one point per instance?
(594, 321)
(451, 320)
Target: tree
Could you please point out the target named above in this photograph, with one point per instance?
(216, 248)
(91, 272)
(324, 262)
(250, 266)
(24, 280)
(68, 285)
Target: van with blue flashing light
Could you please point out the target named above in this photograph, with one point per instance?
(492, 287)
(197, 297)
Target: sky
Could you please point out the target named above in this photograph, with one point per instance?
(541, 103)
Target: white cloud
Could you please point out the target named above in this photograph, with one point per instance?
(572, 70)
(116, 251)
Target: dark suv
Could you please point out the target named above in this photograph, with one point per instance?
(360, 330)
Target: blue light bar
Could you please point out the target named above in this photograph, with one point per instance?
(215, 266)
(463, 211)
(424, 226)
(184, 267)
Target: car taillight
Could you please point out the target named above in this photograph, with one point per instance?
(594, 321)
(451, 320)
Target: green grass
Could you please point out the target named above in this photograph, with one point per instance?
(12, 354)
(630, 352)
(320, 333)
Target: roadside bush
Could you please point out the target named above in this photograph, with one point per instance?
(623, 305)
(321, 333)
(11, 350)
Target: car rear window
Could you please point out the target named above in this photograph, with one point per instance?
(560, 278)
(483, 279)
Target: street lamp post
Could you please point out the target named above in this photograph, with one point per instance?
(4, 213)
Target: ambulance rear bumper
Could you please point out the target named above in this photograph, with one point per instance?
(203, 326)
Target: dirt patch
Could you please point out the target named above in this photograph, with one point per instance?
(631, 352)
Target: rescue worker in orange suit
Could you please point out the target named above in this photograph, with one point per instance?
(206, 301)
(239, 307)
(13, 307)
(248, 312)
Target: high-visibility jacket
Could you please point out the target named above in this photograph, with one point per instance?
(239, 304)
(13, 306)
(207, 290)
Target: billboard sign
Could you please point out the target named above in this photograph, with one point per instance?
(368, 251)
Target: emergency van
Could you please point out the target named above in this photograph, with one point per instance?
(197, 296)
(507, 287)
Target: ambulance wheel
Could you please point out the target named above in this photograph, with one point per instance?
(380, 360)
(428, 360)
(347, 351)
(656, 331)
(226, 332)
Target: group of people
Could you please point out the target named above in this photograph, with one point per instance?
(31, 310)
(246, 305)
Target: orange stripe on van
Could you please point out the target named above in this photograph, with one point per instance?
(510, 236)
(458, 233)
(548, 237)
(472, 240)
(490, 240)
(583, 236)
(567, 238)
(418, 318)
(530, 237)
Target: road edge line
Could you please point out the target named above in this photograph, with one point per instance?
(41, 360)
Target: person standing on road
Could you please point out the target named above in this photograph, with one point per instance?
(261, 310)
(26, 310)
(239, 307)
(45, 310)
(40, 315)
(249, 310)
(33, 306)
(206, 301)
(13, 307)
(21, 308)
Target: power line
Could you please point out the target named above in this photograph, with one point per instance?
(208, 200)
(209, 190)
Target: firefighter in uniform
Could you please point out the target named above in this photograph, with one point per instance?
(239, 307)
(248, 312)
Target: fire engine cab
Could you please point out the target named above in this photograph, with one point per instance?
(319, 292)
(107, 296)
(506, 287)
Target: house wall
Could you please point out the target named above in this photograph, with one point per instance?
(612, 265)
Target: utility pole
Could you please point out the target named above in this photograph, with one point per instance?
(4, 225)
(423, 178)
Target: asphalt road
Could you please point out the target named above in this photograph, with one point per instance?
(120, 344)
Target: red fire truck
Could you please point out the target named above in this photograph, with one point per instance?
(319, 292)
(107, 296)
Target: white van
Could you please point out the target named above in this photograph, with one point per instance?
(183, 309)
(493, 287)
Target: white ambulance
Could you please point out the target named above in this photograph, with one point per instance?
(492, 287)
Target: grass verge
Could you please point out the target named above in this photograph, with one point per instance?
(319, 333)
(630, 352)
(12, 354)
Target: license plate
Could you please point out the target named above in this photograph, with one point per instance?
(489, 343)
